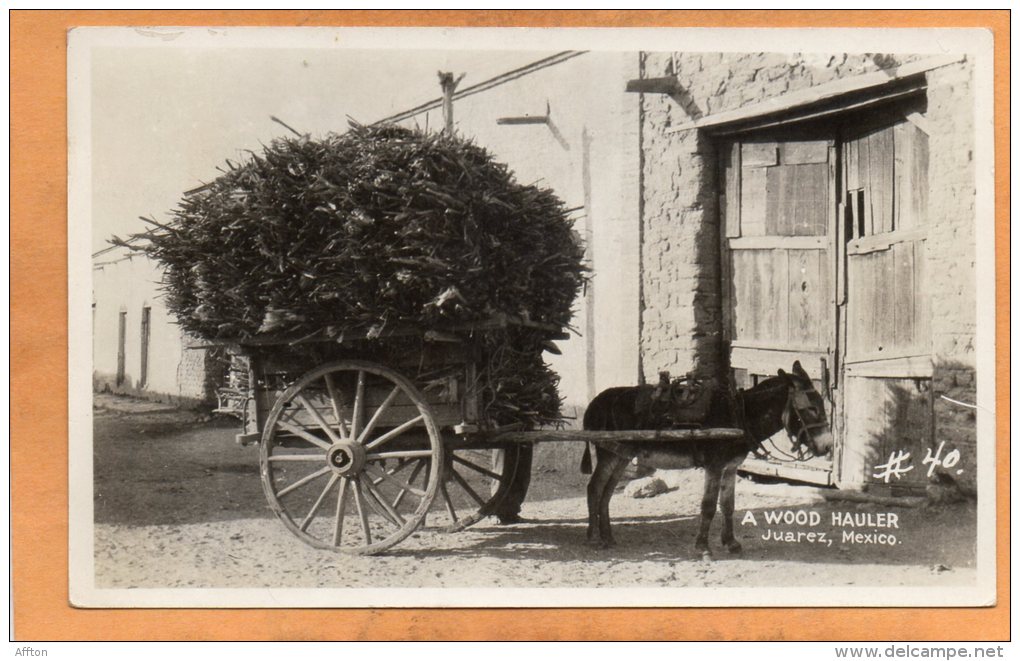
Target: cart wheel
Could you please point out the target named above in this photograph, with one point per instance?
(474, 483)
(349, 457)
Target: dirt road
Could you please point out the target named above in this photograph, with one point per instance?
(178, 504)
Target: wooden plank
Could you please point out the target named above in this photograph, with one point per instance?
(805, 298)
(882, 292)
(852, 164)
(742, 317)
(811, 199)
(752, 201)
(732, 192)
(623, 436)
(903, 291)
(906, 367)
(778, 271)
(752, 302)
(773, 242)
(769, 361)
(880, 174)
(903, 150)
(869, 244)
(920, 122)
(759, 154)
(922, 302)
(864, 163)
(796, 200)
(771, 277)
(800, 472)
(843, 216)
(820, 93)
(919, 179)
(796, 152)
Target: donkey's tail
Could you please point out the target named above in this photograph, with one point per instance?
(586, 467)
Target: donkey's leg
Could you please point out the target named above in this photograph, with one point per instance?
(727, 498)
(709, 499)
(604, 464)
(605, 531)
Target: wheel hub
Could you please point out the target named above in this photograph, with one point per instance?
(346, 458)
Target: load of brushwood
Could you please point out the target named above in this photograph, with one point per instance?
(376, 228)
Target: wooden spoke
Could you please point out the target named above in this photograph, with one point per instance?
(388, 477)
(366, 406)
(378, 414)
(303, 481)
(297, 457)
(318, 503)
(396, 431)
(297, 431)
(484, 471)
(391, 513)
(466, 487)
(410, 480)
(449, 503)
(319, 420)
(338, 407)
(341, 505)
(362, 512)
(359, 404)
(401, 454)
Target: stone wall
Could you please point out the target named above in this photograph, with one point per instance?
(950, 258)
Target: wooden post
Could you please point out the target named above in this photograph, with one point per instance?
(449, 86)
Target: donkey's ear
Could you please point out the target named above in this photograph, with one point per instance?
(783, 373)
(798, 370)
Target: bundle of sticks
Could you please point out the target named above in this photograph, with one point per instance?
(377, 226)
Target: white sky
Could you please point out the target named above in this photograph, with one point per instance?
(164, 118)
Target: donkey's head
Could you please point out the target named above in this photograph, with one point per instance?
(804, 414)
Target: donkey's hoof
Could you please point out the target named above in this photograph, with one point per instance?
(734, 547)
(600, 544)
(706, 556)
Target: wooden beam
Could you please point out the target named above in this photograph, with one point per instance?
(820, 93)
(779, 242)
(627, 436)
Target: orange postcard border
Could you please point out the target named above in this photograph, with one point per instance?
(38, 377)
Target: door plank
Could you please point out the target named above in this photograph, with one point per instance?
(752, 201)
(795, 153)
(880, 175)
(803, 297)
(759, 154)
(731, 194)
(902, 255)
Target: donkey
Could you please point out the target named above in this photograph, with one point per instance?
(786, 401)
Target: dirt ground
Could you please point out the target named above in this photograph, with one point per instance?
(179, 504)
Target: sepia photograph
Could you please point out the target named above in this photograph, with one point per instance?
(438, 317)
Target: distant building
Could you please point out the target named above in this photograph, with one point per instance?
(137, 348)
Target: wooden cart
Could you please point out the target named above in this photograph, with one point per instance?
(360, 442)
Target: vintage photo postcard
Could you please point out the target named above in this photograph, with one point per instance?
(531, 317)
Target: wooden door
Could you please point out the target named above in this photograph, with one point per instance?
(779, 207)
(887, 369)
